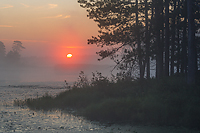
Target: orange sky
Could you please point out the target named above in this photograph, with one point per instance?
(48, 28)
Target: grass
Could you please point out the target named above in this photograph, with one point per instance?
(165, 102)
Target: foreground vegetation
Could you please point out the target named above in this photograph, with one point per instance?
(165, 102)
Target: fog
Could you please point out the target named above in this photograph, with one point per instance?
(34, 70)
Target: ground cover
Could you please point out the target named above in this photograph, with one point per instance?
(164, 102)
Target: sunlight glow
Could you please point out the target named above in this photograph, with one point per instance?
(69, 55)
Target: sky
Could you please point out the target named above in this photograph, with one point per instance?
(48, 29)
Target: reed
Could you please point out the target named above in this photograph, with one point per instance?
(165, 102)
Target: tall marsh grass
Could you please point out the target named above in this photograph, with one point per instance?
(165, 102)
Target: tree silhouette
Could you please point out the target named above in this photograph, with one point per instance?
(135, 31)
(13, 56)
(2, 52)
(17, 46)
(123, 37)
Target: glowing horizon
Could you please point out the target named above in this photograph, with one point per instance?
(47, 27)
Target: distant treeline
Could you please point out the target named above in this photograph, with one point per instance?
(13, 56)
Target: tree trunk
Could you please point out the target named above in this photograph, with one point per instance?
(191, 45)
(147, 40)
(159, 61)
(167, 38)
(184, 44)
(139, 44)
(173, 41)
(178, 40)
(184, 50)
(178, 52)
(162, 38)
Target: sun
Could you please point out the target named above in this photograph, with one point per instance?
(69, 55)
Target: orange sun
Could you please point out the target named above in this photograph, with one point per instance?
(69, 55)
